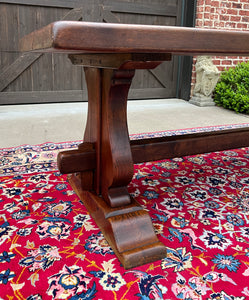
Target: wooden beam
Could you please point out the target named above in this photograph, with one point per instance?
(159, 74)
(73, 15)
(10, 73)
(7, 98)
(67, 161)
(166, 10)
(148, 93)
(109, 17)
(121, 60)
(48, 3)
(190, 144)
(85, 37)
(162, 148)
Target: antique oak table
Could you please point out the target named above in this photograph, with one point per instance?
(102, 166)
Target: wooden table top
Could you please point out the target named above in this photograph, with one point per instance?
(88, 37)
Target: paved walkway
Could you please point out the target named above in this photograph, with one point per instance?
(35, 124)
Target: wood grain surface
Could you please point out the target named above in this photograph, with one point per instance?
(74, 36)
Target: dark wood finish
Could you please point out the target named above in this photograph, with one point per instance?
(128, 38)
(93, 129)
(104, 161)
(116, 158)
(161, 148)
(128, 229)
(121, 61)
(48, 3)
(190, 144)
(108, 166)
(71, 161)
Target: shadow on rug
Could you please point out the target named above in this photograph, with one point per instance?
(50, 248)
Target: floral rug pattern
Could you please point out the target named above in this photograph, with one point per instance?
(51, 248)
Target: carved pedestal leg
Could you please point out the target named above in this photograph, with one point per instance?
(93, 126)
(103, 189)
(116, 159)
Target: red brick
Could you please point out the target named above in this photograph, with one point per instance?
(235, 62)
(200, 2)
(208, 8)
(218, 24)
(220, 68)
(243, 12)
(233, 12)
(199, 16)
(235, 18)
(200, 9)
(245, 19)
(215, 3)
(207, 15)
(237, 5)
(230, 25)
(221, 11)
(224, 17)
(199, 23)
(233, 57)
(216, 62)
(208, 23)
(242, 25)
(226, 62)
(214, 17)
(226, 4)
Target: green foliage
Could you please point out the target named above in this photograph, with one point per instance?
(232, 90)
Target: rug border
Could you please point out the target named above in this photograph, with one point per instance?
(134, 134)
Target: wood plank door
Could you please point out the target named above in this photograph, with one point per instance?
(162, 81)
(40, 78)
(34, 77)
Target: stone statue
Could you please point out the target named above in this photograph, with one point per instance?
(207, 76)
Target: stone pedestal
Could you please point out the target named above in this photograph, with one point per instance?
(207, 76)
(202, 101)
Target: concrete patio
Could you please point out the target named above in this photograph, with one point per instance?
(36, 124)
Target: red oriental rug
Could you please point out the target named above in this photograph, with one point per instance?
(50, 248)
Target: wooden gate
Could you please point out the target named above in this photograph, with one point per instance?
(40, 78)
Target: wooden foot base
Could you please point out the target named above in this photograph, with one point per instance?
(128, 229)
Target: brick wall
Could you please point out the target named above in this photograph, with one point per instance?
(223, 14)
